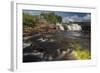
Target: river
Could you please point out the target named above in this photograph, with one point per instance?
(50, 42)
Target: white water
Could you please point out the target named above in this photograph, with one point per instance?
(71, 27)
(42, 39)
(60, 26)
(74, 27)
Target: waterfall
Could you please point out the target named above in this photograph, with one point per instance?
(71, 27)
(74, 27)
(60, 26)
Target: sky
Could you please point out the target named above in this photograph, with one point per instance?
(66, 16)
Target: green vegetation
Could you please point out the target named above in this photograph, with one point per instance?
(82, 53)
(29, 20)
(51, 17)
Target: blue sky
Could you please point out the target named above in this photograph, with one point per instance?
(66, 16)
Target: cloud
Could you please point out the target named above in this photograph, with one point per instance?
(87, 17)
(77, 18)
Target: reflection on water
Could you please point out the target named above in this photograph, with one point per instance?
(49, 46)
(82, 37)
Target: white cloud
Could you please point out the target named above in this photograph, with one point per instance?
(76, 18)
(87, 17)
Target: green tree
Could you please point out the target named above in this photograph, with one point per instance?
(29, 20)
(51, 17)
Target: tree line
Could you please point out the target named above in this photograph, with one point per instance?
(31, 20)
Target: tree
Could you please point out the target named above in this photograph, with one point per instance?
(29, 20)
(59, 19)
(51, 17)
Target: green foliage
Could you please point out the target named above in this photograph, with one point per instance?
(82, 53)
(29, 20)
(51, 17)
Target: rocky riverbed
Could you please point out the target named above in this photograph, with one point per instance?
(55, 47)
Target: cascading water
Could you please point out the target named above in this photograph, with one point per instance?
(71, 27)
(60, 26)
(74, 27)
